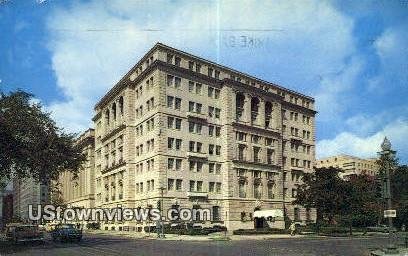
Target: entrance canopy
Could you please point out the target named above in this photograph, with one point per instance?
(268, 213)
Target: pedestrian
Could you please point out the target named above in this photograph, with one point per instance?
(403, 228)
(292, 228)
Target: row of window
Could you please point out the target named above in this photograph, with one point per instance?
(149, 105)
(149, 187)
(194, 107)
(140, 167)
(149, 147)
(242, 136)
(197, 166)
(296, 147)
(193, 127)
(294, 162)
(257, 154)
(197, 186)
(149, 85)
(256, 189)
(193, 66)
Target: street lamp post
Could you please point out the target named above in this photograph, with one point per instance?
(162, 210)
(387, 155)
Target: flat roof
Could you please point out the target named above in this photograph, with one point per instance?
(159, 44)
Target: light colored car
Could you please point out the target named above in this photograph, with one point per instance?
(24, 232)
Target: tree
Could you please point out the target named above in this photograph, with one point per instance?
(323, 190)
(31, 145)
(399, 189)
(361, 204)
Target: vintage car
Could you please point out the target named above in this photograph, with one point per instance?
(24, 232)
(66, 232)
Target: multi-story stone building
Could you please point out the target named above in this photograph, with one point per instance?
(80, 192)
(25, 192)
(350, 165)
(205, 135)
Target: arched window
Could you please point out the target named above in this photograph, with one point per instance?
(240, 101)
(254, 108)
(107, 116)
(121, 105)
(114, 111)
(268, 113)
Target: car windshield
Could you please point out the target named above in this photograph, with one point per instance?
(67, 226)
(26, 228)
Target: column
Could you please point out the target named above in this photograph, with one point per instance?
(261, 113)
(250, 185)
(247, 108)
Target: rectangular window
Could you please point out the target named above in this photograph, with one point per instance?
(177, 82)
(170, 101)
(170, 184)
(178, 104)
(170, 79)
(216, 93)
(178, 144)
(210, 91)
(199, 186)
(178, 123)
(170, 163)
(211, 187)
(192, 185)
(211, 167)
(170, 142)
(211, 130)
(190, 86)
(170, 122)
(178, 164)
(178, 184)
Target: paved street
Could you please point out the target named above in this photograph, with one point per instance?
(96, 244)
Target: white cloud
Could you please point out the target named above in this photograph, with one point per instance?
(94, 43)
(367, 146)
(391, 49)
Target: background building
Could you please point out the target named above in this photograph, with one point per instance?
(6, 214)
(205, 135)
(80, 192)
(25, 192)
(351, 165)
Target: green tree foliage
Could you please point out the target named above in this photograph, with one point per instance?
(399, 190)
(323, 190)
(31, 145)
(362, 201)
(353, 202)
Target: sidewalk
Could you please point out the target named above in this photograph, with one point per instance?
(211, 237)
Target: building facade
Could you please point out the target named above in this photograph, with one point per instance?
(25, 192)
(350, 165)
(80, 192)
(207, 136)
(6, 214)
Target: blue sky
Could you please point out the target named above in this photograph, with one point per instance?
(352, 56)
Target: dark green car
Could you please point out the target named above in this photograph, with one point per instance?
(66, 232)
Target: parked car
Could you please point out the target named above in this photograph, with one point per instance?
(381, 228)
(66, 232)
(22, 233)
